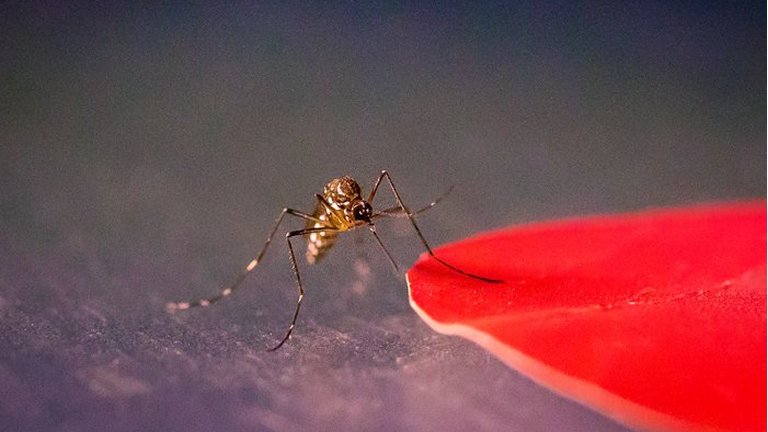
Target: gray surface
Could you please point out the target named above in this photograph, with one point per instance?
(146, 152)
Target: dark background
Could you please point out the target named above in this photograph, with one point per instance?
(146, 150)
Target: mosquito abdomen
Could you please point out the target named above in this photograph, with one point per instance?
(319, 243)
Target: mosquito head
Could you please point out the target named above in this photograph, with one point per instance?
(362, 211)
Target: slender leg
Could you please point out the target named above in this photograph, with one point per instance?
(399, 200)
(227, 291)
(372, 227)
(295, 268)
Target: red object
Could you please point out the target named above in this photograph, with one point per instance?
(657, 319)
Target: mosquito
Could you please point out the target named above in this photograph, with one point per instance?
(341, 207)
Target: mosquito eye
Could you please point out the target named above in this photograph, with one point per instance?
(362, 212)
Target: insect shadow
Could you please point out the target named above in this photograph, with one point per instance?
(341, 207)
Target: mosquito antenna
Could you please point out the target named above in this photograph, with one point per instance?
(397, 211)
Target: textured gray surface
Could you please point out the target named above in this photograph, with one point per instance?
(146, 152)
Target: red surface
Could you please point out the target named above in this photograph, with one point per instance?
(656, 318)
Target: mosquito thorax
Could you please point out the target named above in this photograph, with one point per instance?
(342, 191)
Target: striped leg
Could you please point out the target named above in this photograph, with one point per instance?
(230, 289)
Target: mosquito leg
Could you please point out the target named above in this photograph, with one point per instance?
(295, 268)
(230, 289)
(375, 188)
(399, 200)
(372, 228)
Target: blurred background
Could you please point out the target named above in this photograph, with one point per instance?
(146, 150)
